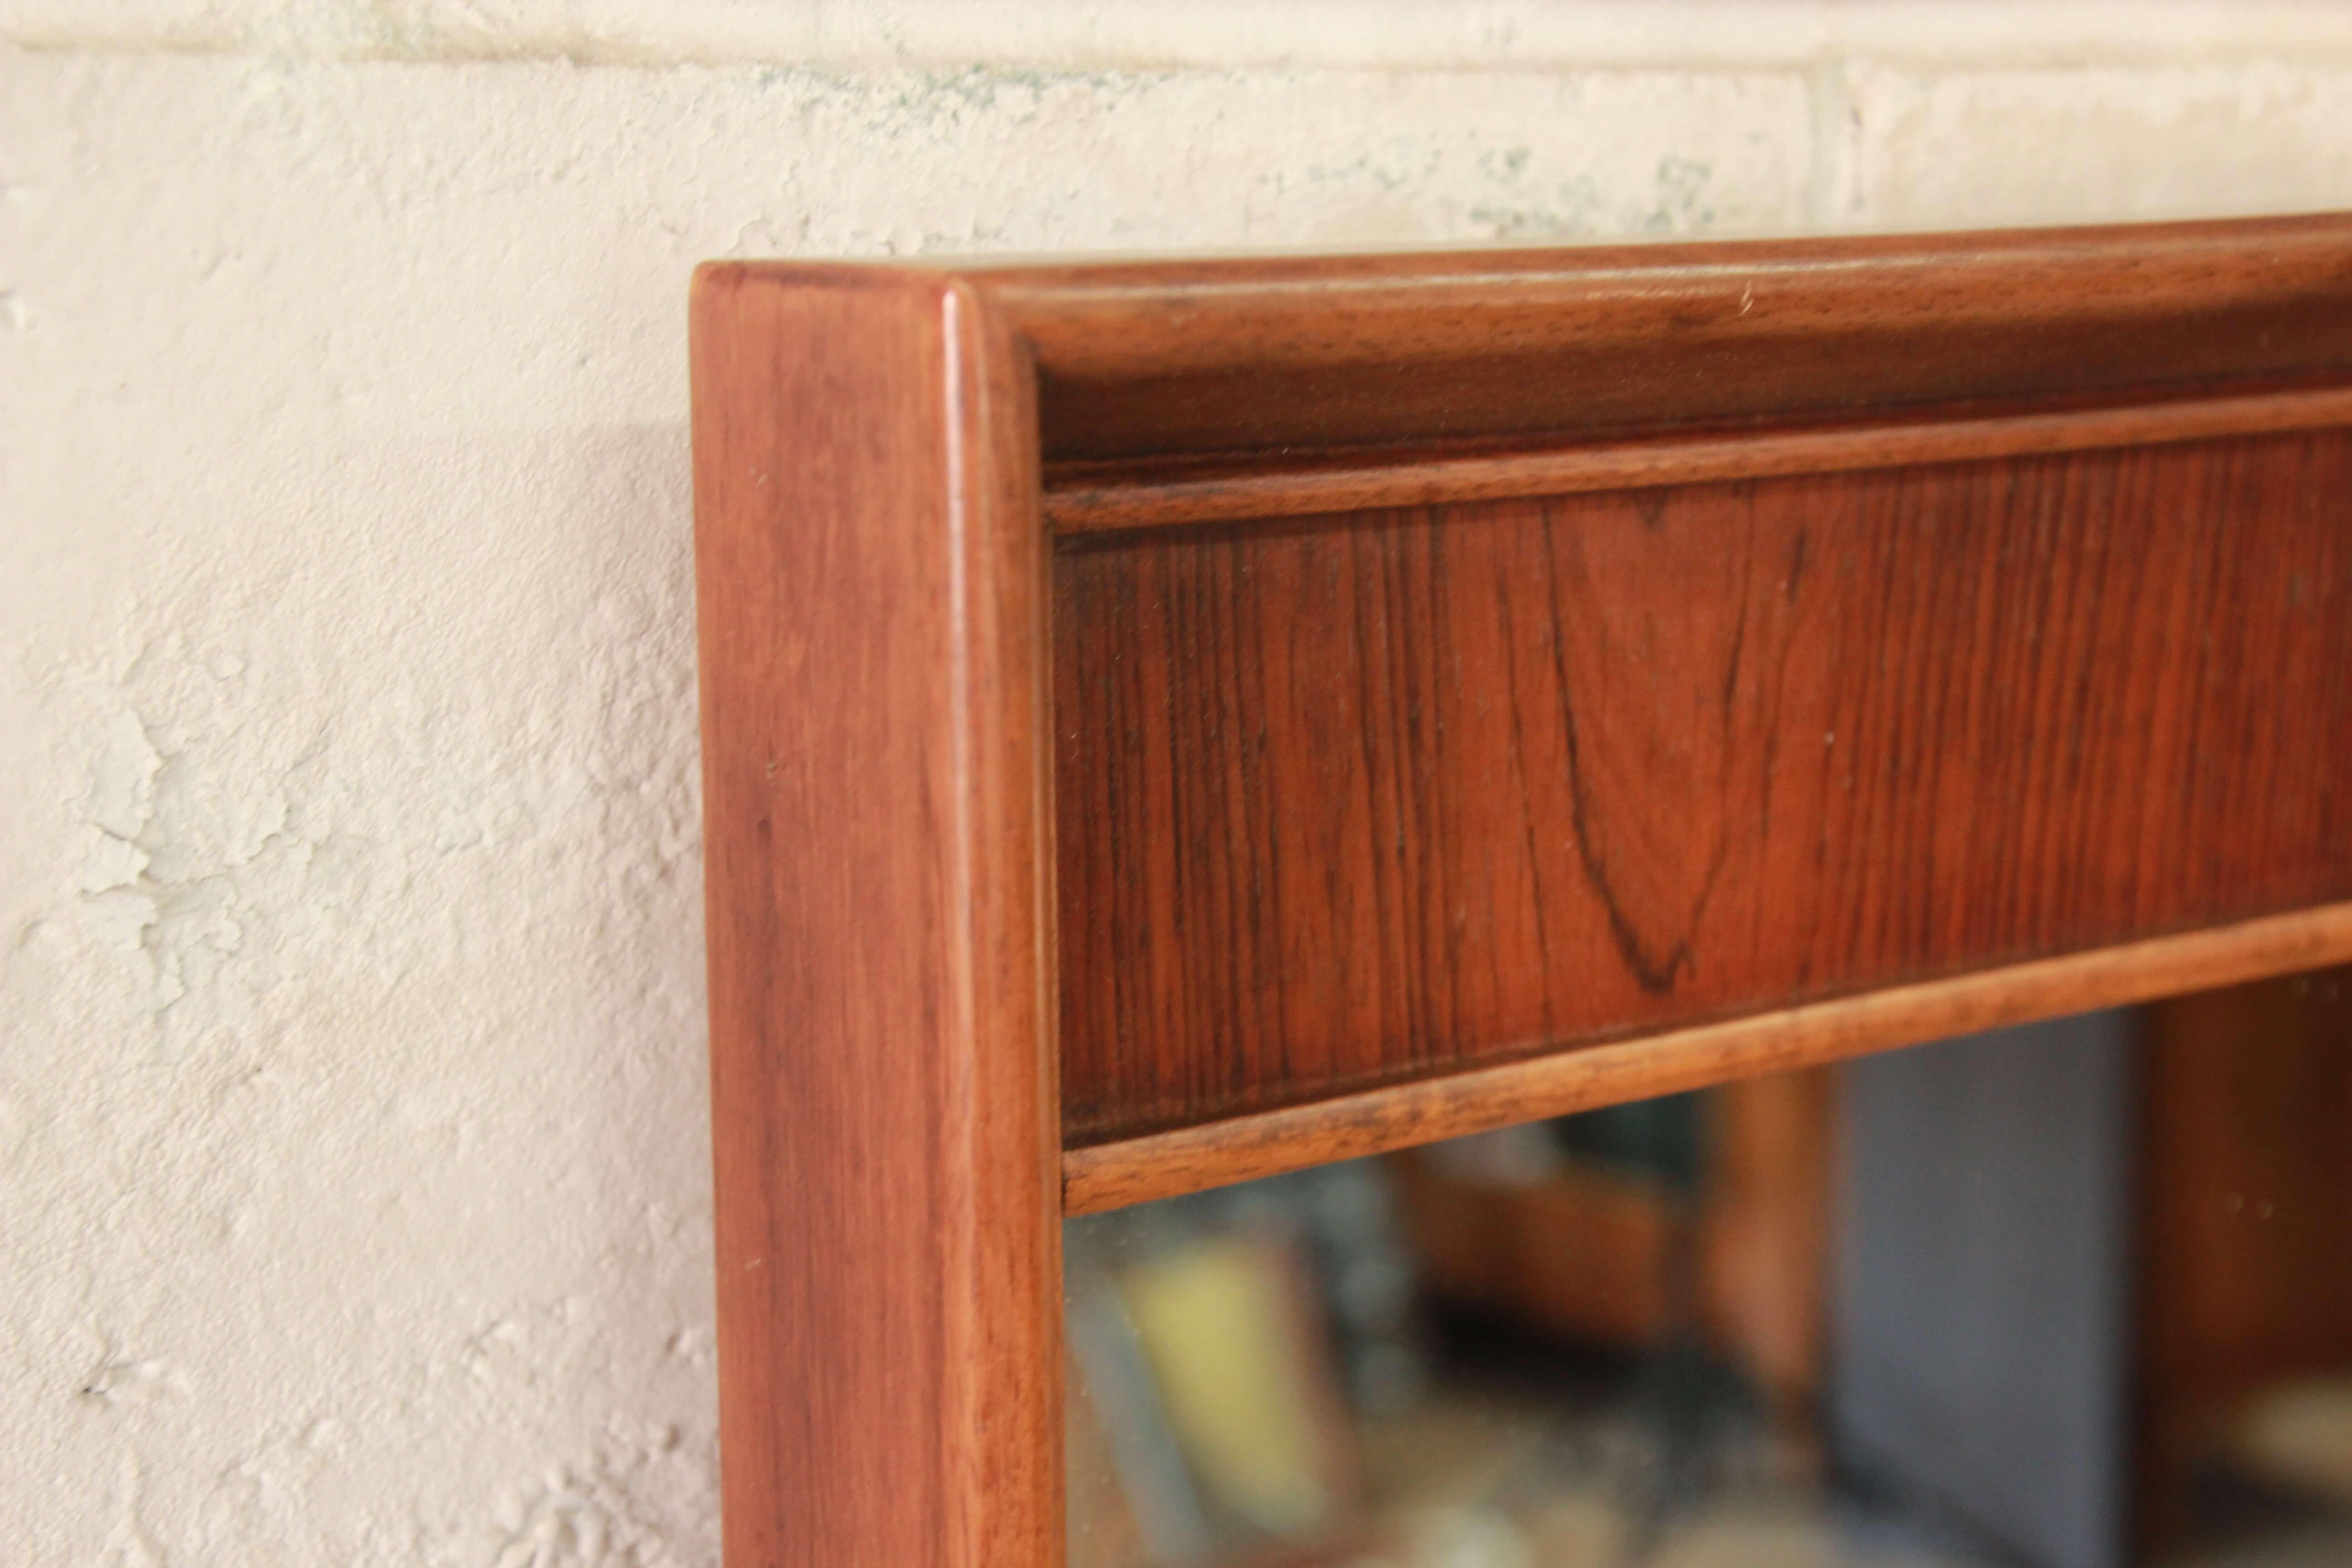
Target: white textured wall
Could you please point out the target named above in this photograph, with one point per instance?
(352, 1191)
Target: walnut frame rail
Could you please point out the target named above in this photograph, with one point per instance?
(1170, 723)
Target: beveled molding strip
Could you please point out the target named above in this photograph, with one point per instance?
(1127, 1171)
(1287, 362)
(1081, 501)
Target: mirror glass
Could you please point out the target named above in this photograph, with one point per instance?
(2073, 1295)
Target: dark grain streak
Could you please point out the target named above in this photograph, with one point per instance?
(1541, 773)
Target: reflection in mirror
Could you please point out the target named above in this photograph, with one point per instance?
(2076, 1295)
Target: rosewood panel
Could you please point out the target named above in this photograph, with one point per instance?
(1364, 798)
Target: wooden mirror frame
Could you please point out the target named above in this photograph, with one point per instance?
(1165, 723)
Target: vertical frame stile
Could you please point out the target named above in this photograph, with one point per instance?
(869, 565)
(872, 451)
(1006, 1504)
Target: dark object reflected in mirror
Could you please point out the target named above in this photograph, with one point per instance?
(2076, 1295)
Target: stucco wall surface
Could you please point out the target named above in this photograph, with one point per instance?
(354, 1191)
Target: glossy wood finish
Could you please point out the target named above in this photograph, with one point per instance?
(1469, 686)
(888, 1259)
(1136, 1170)
(1399, 793)
(1279, 355)
(1282, 359)
(1100, 498)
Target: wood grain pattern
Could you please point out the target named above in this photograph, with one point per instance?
(1141, 361)
(1767, 652)
(1364, 800)
(869, 568)
(1286, 354)
(1090, 497)
(1114, 1174)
